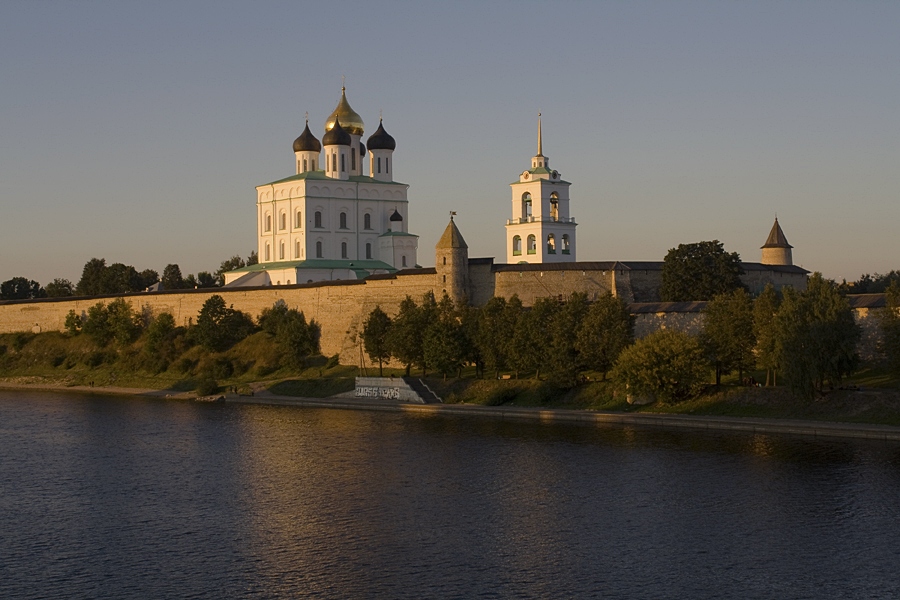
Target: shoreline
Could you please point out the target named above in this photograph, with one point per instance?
(816, 429)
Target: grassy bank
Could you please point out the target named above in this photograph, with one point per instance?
(256, 363)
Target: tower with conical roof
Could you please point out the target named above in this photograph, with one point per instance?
(541, 229)
(776, 250)
(452, 264)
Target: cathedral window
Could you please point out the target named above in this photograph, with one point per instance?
(367, 221)
(268, 253)
(343, 220)
(554, 206)
(379, 164)
(353, 159)
(281, 251)
(297, 249)
(268, 222)
(317, 219)
(318, 249)
(517, 246)
(304, 165)
(403, 260)
(343, 162)
(343, 249)
(532, 244)
(526, 206)
(314, 164)
(368, 250)
(387, 165)
(565, 244)
(334, 161)
(298, 166)
(282, 221)
(551, 244)
(298, 220)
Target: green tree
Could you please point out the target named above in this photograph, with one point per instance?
(877, 284)
(564, 358)
(96, 324)
(60, 288)
(607, 329)
(235, 262)
(159, 337)
(206, 280)
(219, 326)
(728, 337)
(443, 340)
(147, 278)
(73, 323)
(172, 278)
(497, 321)
(19, 288)
(298, 339)
(765, 307)
(253, 258)
(91, 282)
(817, 337)
(118, 278)
(124, 324)
(531, 340)
(375, 337)
(668, 365)
(405, 335)
(699, 271)
(889, 324)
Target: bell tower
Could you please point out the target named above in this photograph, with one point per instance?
(541, 229)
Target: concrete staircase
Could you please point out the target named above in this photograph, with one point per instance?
(424, 392)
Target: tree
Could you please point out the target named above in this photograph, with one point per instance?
(817, 337)
(205, 279)
(889, 323)
(159, 338)
(118, 278)
(405, 335)
(607, 329)
(60, 288)
(375, 337)
(19, 288)
(443, 343)
(171, 278)
(879, 283)
(288, 326)
(564, 358)
(668, 365)
(91, 283)
(219, 326)
(253, 258)
(105, 323)
(148, 277)
(235, 262)
(496, 326)
(96, 324)
(73, 323)
(765, 307)
(728, 337)
(699, 271)
(531, 341)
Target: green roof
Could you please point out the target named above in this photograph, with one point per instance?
(397, 234)
(320, 176)
(320, 263)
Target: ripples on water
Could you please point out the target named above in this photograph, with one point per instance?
(137, 498)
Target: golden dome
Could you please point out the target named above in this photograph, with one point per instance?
(350, 121)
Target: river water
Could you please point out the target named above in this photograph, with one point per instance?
(105, 497)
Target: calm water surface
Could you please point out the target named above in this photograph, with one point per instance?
(135, 498)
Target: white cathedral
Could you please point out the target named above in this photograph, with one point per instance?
(331, 220)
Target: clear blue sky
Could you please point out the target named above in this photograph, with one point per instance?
(136, 132)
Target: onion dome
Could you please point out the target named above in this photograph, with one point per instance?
(396, 216)
(362, 149)
(336, 136)
(350, 120)
(307, 142)
(381, 139)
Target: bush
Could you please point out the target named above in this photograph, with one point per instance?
(222, 368)
(333, 361)
(668, 365)
(207, 386)
(95, 359)
(185, 366)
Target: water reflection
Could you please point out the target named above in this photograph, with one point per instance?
(143, 498)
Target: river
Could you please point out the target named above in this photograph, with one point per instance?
(104, 497)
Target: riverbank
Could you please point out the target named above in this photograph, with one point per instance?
(817, 429)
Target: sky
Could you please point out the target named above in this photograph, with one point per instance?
(136, 132)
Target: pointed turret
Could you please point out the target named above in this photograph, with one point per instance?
(452, 264)
(776, 250)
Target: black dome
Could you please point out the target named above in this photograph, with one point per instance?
(381, 140)
(336, 136)
(362, 149)
(396, 216)
(307, 142)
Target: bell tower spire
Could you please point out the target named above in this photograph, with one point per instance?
(540, 143)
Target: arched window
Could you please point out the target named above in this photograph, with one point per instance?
(353, 159)
(403, 260)
(297, 249)
(298, 166)
(532, 244)
(445, 260)
(367, 221)
(343, 220)
(517, 245)
(565, 244)
(387, 164)
(298, 220)
(313, 164)
(379, 164)
(554, 206)
(343, 162)
(282, 221)
(343, 249)
(281, 251)
(526, 205)
(305, 165)
(368, 250)
(317, 218)
(268, 252)
(334, 161)
(551, 244)
(268, 222)
(318, 249)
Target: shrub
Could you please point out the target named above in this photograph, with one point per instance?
(207, 386)
(668, 365)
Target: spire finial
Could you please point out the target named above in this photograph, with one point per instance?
(307, 117)
(380, 115)
(540, 144)
(343, 83)
(452, 214)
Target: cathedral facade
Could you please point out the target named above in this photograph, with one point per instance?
(340, 216)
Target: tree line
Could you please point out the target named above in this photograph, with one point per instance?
(98, 278)
(806, 340)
